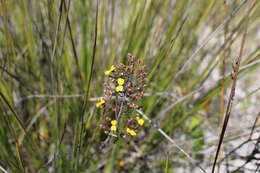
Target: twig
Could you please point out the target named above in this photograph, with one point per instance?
(2, 169)
(44, 96)
(213, 139)
(94, 99)
(34, 119)
(120, 111)
(236, 148)
(184, 67)
(170, 140)
(253, 128)
(234, 75)
(249, 158)
(177, 102)
(257, 168)
(245, 142)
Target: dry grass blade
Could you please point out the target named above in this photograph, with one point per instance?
(171, 140)
(243, 143)
(34, 120)
(56, 37)
(234, 75)
(3, 98)
(167, 109)
(2, 169)
(231, 16)
(95, 99)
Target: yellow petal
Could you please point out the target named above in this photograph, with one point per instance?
(140, 121)
(132, 133)
(121, 163)
(112, 68)
(98, 105)
(113, 122)
(119, 88)
(128, 130)
(102, 101)
(113, 128)
(107, 72)
(120, 81)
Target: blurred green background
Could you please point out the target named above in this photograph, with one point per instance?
(53, 55)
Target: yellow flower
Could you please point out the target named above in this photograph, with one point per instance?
(131, 132)
(102, 101)
(113, 128)
(119, 88)
(120, 81)
(113, 122)
(140, 121)
(121, 163)
(107, 72)
(112, 68)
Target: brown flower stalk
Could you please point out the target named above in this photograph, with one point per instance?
(234, 75)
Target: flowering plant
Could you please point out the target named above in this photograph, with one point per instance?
(124, 87)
